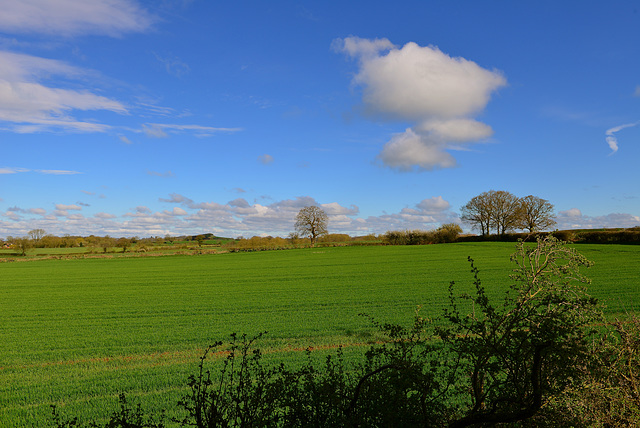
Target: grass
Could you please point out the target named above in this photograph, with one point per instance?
(78, 332)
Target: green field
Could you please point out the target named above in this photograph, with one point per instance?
(77, 332)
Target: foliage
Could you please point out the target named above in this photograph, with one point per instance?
(517, 355)
(445, 233)
(259, 243)
(610, 395)
(22, 245)
(124, 417)
(627, 236)
(245, 393)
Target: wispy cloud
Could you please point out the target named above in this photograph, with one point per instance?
(162, 130)
(174, 65)
(57, 172)
(611, 138)
(6, 170)
(74, 17)
(265, 159)
(30, 106)
(161, 174)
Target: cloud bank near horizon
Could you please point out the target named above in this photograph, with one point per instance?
(234, 218)
(239, 217)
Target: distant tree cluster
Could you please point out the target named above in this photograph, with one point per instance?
(502, 211)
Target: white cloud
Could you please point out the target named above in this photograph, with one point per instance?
(637, 91)
(611, 138)
(38, 211)
(177, 211)
(454, 130)
(63, 207)
(357, 47)
(105, 216)
(434, 205)
(426, 86)
(409, 149)
(265, 159)
(31, 106)
(73, 17)
(570, 213)
(336, 209)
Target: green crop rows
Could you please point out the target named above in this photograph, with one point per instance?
(76, 333)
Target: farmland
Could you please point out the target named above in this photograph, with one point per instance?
(77, 332)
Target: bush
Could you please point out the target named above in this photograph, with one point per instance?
(610, 395)
(609, 237)
(445, 233)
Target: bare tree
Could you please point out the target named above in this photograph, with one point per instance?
(535, 214)
(505, 209)
(478, 212)
(493, 210)
(36, 235)
(312, 222)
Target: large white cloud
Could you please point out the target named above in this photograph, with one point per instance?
(73, 17)
(437, 92)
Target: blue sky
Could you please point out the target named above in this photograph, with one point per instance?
(147, 118)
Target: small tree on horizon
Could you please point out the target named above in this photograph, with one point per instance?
(312, 222)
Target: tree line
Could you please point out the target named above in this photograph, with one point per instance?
(502, 212)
